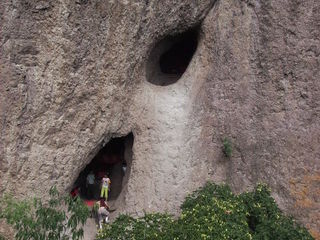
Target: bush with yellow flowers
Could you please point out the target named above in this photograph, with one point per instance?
(212, 212)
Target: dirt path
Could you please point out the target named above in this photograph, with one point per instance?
(90, 229)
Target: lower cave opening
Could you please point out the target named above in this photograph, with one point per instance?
(113, 160)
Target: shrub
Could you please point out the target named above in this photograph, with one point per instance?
(213, 212)
(149, 227)
(227, 147)
(266, 220)
(33, 220)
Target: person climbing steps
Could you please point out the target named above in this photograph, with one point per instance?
(102, 211)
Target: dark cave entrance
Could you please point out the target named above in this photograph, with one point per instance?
(114, 160)
(170, 57)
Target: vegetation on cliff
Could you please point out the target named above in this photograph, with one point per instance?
(213, 212)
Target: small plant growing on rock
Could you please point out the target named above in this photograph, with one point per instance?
(227, 147)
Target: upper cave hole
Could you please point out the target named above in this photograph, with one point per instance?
(170, 57)
(113, 160)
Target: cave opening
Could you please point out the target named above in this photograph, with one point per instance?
(113, 160)
(171, 56)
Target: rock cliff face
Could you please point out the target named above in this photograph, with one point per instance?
(76, 73)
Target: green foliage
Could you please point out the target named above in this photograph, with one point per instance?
(149, 227)
(34, 220)
(2, 237)
(266, 220)
(227, 147)
(213, 212)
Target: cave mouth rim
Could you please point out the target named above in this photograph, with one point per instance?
(127, 141)
(163, 66)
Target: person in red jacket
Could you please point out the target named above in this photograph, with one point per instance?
(75, 192)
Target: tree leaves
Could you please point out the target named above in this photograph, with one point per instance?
(60, 218)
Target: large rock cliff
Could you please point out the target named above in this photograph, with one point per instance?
(76, 73)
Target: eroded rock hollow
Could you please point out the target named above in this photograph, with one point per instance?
(181, 76)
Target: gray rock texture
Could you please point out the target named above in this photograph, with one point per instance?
(73, 74)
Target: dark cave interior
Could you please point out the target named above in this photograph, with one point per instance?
(113, 160)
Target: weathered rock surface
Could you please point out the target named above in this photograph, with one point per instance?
(73, 75)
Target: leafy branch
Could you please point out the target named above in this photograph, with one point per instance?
(60, 218)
